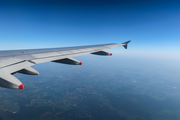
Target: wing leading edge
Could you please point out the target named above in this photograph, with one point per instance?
(19, 61)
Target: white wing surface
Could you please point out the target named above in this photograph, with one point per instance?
(13, 61)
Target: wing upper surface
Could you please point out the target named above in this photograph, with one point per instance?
(12, 61)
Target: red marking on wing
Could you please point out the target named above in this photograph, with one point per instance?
(21, 86)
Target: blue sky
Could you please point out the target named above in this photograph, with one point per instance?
(153, 26)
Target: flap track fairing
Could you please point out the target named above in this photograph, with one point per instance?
(104, 53)
(28, 71)
(70, 61)
(9, 81)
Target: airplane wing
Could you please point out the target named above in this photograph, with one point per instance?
(20, 61)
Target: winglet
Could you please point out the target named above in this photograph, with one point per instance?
(125, 44)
